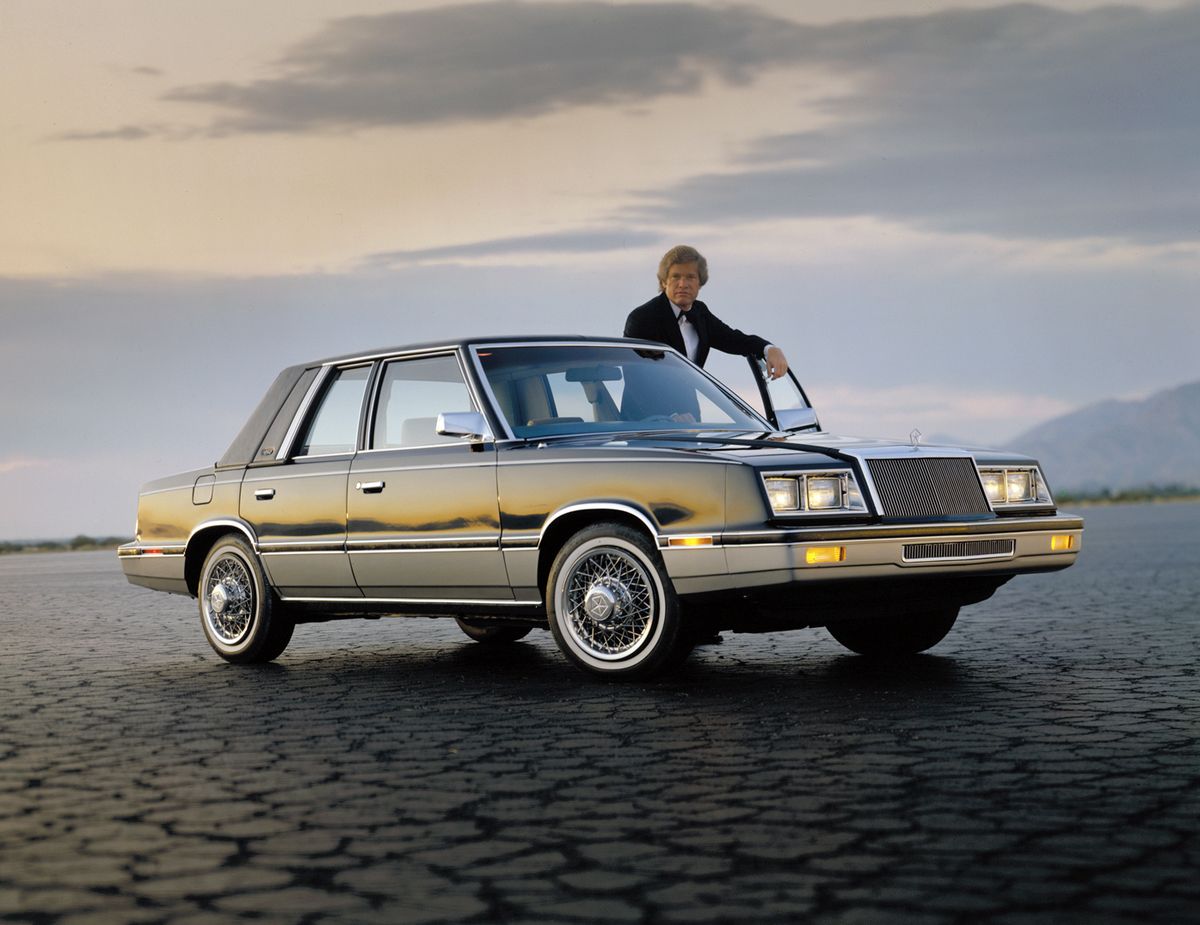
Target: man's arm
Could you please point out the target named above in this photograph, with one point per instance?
(730, 340)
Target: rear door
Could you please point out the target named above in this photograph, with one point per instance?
(298, 508)
(423, 516)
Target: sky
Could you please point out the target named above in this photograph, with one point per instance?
(962, 217)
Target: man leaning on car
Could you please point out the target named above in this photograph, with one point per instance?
(675, 316)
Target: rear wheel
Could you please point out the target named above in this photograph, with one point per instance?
(611, 605)
(895, 636)
(242, 621)
(482, 631)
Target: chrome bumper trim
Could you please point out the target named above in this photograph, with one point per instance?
(1060, 523)
(149, 549)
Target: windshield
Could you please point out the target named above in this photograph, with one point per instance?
(578, 389)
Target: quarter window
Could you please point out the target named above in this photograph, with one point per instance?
(412, 395)
(333, 428)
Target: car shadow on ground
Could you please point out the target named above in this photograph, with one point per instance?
(737, 676)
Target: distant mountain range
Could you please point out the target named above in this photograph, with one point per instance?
(1121, 444)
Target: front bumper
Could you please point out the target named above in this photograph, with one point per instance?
(759, 558)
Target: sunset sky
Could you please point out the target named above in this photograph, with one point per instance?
(961, 217)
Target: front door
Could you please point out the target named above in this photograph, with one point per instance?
(784, 401)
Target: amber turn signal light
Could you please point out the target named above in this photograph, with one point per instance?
(824, 555)
(690, 541)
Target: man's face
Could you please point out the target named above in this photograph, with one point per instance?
(683, 284)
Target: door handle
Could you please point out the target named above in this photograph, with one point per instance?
(264, 494)
(370, 488)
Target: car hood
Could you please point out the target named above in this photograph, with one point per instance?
(766, 449)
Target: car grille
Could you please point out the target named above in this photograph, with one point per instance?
(966, 549)
(926, 486)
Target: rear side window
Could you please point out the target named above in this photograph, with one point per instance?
(333, 427)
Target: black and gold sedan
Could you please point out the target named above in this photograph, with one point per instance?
(608, 490)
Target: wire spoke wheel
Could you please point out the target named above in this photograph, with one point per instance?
(242, 620)
(228, 600)
(611, 604)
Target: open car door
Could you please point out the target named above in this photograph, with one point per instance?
(784, 401)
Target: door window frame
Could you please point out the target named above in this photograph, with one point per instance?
(312, 404)
(375, 389)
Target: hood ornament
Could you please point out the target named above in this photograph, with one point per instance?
(914, 438)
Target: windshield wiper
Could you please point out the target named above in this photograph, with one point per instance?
(676, 436)
(758, 442)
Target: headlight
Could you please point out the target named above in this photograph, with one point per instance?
(993, 485)
(1014, 485)
(834, 492)
(784, 494)
(823, 493)
(1019, 485)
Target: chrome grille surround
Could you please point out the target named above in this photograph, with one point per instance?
(960, 549)
(927, 486)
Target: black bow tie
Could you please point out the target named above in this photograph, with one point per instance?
(683, 316)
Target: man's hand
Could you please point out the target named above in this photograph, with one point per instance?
(777, 364)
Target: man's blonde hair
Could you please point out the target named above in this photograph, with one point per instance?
(681, 253)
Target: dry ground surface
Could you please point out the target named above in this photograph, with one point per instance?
(1041, 765)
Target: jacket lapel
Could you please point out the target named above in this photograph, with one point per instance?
(669, 326)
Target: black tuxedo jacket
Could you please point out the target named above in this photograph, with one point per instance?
(656, 321)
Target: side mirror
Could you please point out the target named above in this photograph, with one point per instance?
(797, 419)
(469, 424)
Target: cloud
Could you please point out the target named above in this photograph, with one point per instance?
(1017, 121)
(497, 60)
(16, 463)
(124, 133)
(584, 241)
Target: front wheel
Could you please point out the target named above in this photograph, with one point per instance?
(895, 636)
(611, 605)
(241, 619)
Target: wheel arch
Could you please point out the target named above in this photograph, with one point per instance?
(202, 540)
(562, 525)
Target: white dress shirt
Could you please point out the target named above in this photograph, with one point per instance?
(691, 337)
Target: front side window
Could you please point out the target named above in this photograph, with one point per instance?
(333, 427)
(412, 394)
